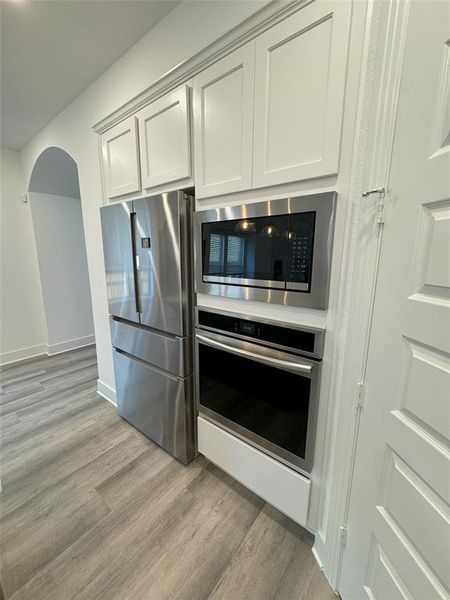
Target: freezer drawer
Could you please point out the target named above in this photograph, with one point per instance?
(158, 404)
(162, 350)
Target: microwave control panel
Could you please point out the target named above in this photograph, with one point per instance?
(300, 259)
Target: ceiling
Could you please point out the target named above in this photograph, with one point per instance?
(53, 50)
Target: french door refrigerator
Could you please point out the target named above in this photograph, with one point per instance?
(147, 251)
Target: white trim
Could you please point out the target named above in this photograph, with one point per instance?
(317, 557)
(267, 17)
(107, 392)
(282, 190)
(383, 59)
(14, 356)
(80, 342)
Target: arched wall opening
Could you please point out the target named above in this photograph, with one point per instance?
(54, 196)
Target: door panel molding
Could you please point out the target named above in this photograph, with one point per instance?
(380, 571)
(431, 282)
(404, 553)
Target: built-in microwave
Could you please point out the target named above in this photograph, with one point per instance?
(276, 251)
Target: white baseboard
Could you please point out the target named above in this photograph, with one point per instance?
(86, 340)
(106, 392)
(320, 563)
(16, 356)
(23, 354)
(317, 557)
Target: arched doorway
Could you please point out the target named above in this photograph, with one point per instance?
(54, 195)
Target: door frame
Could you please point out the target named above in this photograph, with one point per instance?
(381, 70)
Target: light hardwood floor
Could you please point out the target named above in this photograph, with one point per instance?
(93, 510)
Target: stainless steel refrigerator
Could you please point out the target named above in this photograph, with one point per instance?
(147, 250)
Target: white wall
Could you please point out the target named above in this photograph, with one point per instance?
(61, 250)
(186, 30)
(22, 321)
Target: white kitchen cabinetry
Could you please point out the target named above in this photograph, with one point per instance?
(164, 139)
(120, 157)
(223, 124)
(279, 485)
(300, 74)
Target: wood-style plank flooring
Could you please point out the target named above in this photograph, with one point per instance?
(93, 510)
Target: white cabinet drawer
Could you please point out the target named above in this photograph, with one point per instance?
(280, 486)
(164, 139)
(223, 124)
(120, 157)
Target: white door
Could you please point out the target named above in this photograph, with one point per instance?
(120, 159)
(164, 139)
(223, 124)
(300, 79)
(398, 544)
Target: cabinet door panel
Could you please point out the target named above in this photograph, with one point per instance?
(120, 155)
(164, 139)
(223, 122)
(299, 94)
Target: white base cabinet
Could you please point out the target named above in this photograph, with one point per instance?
(280, 486)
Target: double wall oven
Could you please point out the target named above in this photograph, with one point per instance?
(277, 251)
(259, 380)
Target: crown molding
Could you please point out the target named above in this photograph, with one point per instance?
(269, 15)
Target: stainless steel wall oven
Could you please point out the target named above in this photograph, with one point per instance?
(260, 381)
(277, 251)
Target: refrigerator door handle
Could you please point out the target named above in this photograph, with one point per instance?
(137, 296)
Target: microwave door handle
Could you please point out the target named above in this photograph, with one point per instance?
(302, 368)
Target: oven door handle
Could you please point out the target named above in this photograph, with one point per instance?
(302, 368)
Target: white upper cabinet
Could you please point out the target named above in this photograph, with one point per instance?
(223, 124)
(268, 113)
(164, 139)
(300, 72)
(120, 156)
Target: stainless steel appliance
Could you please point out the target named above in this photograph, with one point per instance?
(278, 251)
(259, 380)
(147, 249)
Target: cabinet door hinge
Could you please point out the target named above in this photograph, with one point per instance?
(361, 394)
(381, 191)
(343, 533)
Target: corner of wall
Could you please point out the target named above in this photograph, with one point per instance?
(107, 392)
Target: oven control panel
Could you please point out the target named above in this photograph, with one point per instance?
(291, 339)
